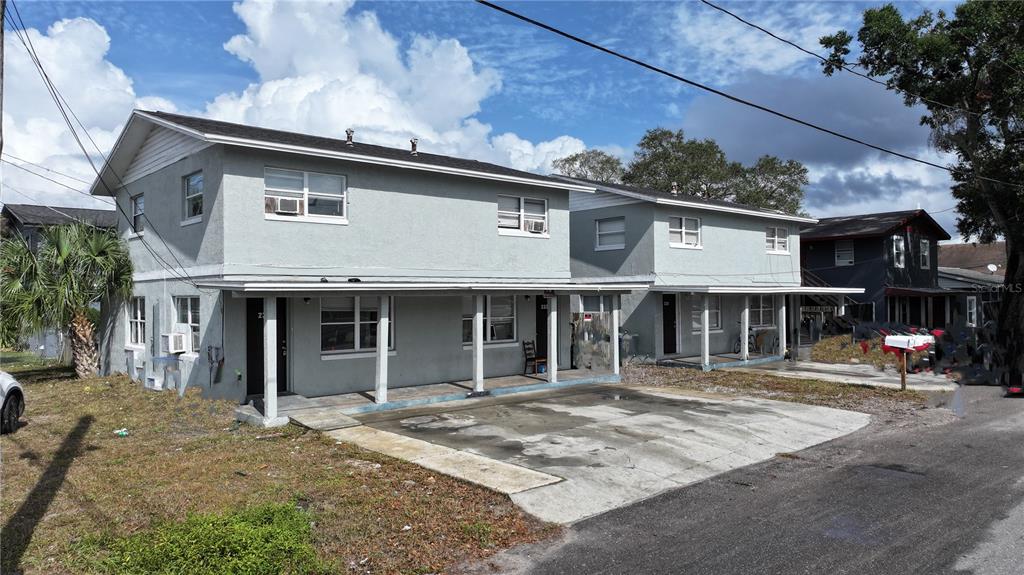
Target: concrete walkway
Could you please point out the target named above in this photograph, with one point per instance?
(611, 445)
(854, 374)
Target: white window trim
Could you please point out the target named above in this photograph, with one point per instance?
(682, 220)
(356, 322)
(775, 241)
(967, 320)
(488, 342)
(199, 322)
(926, 254)
(852, 250)
(597, 235)
(306, 217)
(899, 252)
(521, 230)
(132, 204)
(700, 311)
(130, 318)
(185, 219)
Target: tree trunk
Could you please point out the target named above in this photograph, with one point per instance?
(83, 346)
(1011, 307)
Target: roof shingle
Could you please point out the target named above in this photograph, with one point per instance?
(868, 225)
(34, 215)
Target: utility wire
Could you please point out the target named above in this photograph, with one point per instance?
(10, 188)
(726, 95)
(42, 167)
(842, 66)
(65, 109)
(62, 184)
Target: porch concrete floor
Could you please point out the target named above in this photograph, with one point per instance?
(613, 445)
(853, 373)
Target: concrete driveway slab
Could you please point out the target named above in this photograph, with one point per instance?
(615, 445)
(854, 374)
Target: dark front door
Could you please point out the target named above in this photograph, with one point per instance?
(254, 345)
(542, 326)
(668, 322)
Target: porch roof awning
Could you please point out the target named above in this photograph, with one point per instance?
(302, 288)
(923, 291)
(740, 290)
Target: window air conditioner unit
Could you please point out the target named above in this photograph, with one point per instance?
(174, 342)
(535, 226)
(288, 206)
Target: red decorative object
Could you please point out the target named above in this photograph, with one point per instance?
(865, 346)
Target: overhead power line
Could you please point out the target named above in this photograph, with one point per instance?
(727, 95)
(42, 167)
(49, 179)
(842, 66)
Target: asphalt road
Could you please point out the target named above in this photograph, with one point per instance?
(941, 495)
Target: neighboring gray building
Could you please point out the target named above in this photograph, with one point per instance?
(712, 267)
(974, 297)
(316, 266)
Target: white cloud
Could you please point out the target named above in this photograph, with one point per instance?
(324, 68)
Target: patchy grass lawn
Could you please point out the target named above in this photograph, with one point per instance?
(730, 382)
(839, 349)
(76, 495)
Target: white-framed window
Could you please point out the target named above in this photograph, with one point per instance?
(972, 311)
(499, 318)
(684, 232)
(899, 251)
(137, 321)
(304, 195)
(844, 253)
(776, 239)
(596, 303)
(525, 215)
(187, 308)
(349, 324)
(714, 313)
(610, 234)
(926, 254)
(138, 213)
(192, 190)
(762, 310)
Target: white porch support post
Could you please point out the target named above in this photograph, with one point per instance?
(616, 305)
(383, 322)
(705, 337)
(745, 329)
(552, 339)
(270, 417)
(478, 343)
(782, 324)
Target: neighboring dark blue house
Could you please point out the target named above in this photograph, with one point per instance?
(893, 256)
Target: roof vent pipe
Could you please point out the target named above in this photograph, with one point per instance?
(348, 137)
(413, 142)
(675, 189)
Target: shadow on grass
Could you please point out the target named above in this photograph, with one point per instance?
(18, 530)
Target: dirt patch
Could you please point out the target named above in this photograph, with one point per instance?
(103, 457)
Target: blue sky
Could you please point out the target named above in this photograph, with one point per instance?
(471, 81)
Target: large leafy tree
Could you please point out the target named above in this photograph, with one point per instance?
(591, 165)
(967, 72)
(75, 266)
(774, 184)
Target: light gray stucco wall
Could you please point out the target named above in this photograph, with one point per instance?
(402, 224)
(636, 259)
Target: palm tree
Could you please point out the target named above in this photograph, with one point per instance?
(75, 266)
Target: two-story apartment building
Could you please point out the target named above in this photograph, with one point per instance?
(716, 270)
(893, 255)
(319, 266)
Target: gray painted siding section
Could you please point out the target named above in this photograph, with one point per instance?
(636, 259)
(161, 148)
(402, 224)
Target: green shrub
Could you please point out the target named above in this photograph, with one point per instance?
(267, 539)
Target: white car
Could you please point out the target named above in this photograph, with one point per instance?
(12, 397)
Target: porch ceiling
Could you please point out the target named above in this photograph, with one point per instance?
(740, 290)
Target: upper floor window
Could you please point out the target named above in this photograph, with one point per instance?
(349, 324)
(138, 213)
(972, 311)
(926, 254)
(610, 234)
(762, 310)
(522, 215)
(844, 252)
(899, 251)
(193, 192)
(137, 321)
(499, 318)
(777, 239)
(291, 193)
(714, 313)
(684, 232)
(188, 313)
